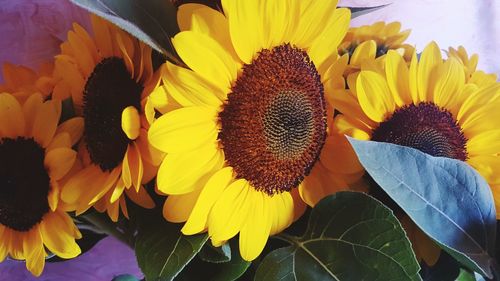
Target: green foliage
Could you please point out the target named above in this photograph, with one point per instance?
(446, 198)
(153, 22)
(162, 250)
(350, 236)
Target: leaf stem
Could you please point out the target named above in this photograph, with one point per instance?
(108, 227)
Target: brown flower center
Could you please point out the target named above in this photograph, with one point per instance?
(24, 183)
(274, 122)
(425, 127)
(108, 91)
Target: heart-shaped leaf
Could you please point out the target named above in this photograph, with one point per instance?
(154, 21)
(162, 250)
(446, 198)
(213, 254)
(350, 236)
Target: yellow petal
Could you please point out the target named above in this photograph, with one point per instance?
(487, 166)
(56, 237)
(113, 211)
(148, 152)
(179, 131)
(429, 60)
(110, 179)
(34, 252)
(450, 81)
(177, 208)
(184, 172)
(278, 21)
(257, 226)
(189, 89)
(397, 75)
(330, 38)
(313, 16)
(374, 95)
(30, 109)
(126, 173)
(135, 165)
(245, 27)
(102, 35)
(59, 161)
(141, 198)
(230, 211)
(46, 121)
(203, 19)
(338, 156)
(364, 51)
(11, 117)
(283, 210)
(484, 143)
(131, 122)
(77, 186)
(61, 140)
(54, 194)
(74, 127)
(215, 186)
(117, 191)
(217, 64)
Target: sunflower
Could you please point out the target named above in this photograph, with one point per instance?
(252, 119)
(470, 63)
(35, 155)
(428, 106)
(22, 81)
(369, 42)
(109, 78)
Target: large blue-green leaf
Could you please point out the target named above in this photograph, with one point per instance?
(350, 236)
(446, 198)
(153, 21)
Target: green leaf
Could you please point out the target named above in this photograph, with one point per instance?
(213, 254)
(446, 198)
(233, 269)
(154, 21)
(359, 11)
(350, 236)
(161, 249)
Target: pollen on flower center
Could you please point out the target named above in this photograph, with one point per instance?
(425, 127)
(108, 91)
(274, 123)
(24, 183)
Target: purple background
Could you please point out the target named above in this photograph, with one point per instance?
(107, 259)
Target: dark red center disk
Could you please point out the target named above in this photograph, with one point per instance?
(274, 122)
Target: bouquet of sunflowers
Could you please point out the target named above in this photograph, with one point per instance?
(252, 140)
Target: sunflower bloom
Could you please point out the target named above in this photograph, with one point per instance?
(470, 63)
(431, 107)
(109, 78)
(252, 120)
(370, 42)
(35, 155)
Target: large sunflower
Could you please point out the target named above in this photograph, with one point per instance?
(428, 106)
(109, 78)
(372, 42)
(252, 122)
(35, 155)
